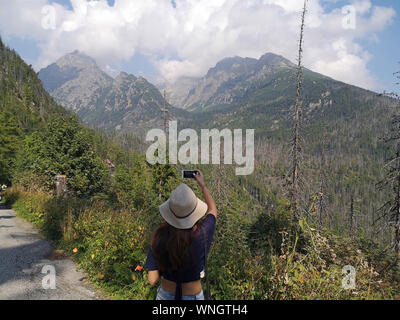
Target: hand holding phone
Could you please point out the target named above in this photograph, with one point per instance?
(188, 174)
(199, 179)
(194, 174)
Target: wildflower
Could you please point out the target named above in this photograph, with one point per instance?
(92, 256)
(75, 250)
(138, 268)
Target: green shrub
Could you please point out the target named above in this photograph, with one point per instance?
(65, 147)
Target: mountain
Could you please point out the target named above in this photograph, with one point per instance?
(75, 81)
(228, 81)
(126, 103)
(260, 94)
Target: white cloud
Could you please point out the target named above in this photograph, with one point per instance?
(342, 62)
(111, 71)
(190, 39)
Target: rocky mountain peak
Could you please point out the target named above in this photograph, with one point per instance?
(231, 81)
(124, 77)
(76, 59)
(124, 103)
(232, 64)
(274, 60)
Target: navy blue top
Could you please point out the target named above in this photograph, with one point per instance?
(192, 273)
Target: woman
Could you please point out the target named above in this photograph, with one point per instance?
(177, 250)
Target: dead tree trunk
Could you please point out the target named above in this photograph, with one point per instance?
(351, 218)
(165, 116)
(322, 183)
(297, 141)
(396, 217)
(390, 211)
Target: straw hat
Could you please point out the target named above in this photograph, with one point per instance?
(183, 209)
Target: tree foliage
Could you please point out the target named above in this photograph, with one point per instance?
(65, 147)
(9, 144)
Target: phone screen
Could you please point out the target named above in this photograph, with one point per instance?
(188, 173)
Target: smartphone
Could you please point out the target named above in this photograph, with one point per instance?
(188, 173)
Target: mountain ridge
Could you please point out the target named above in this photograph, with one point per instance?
(241, 92)
(125, 103)
(228, 80)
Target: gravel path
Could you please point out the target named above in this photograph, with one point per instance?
(23, 254)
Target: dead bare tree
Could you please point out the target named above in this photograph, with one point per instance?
(296, 148)
(322, 185)
(390, 211)
(165, 115)
(222, 178)
(352, 218)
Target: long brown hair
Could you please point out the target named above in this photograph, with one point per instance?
(171, 247)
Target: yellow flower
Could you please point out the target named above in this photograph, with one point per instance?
(92, 256)
(75, 250)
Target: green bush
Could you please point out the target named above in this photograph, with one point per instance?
(110, 244)
(65, 147)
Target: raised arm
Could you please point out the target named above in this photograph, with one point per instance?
(212, 208)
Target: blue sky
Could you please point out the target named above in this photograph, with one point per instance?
(386, 53)
(177, 56)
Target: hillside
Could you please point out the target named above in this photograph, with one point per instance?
(260, 94)
(246, 85)
(21, 92)
(25, 106)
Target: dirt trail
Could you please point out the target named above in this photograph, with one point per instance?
(23, 254)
